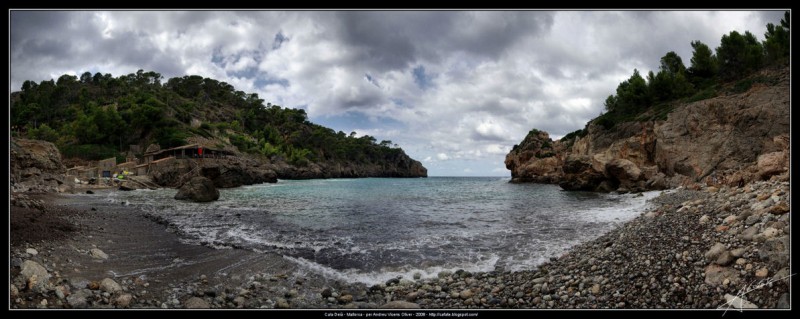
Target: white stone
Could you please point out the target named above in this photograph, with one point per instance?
(770, 232)
(98, 254)
(109, 285)
(35, 276)
(737, 302)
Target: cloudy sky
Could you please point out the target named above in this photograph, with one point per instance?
(455, 89)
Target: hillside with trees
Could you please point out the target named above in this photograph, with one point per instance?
(723, 119)
(97, 116)
(726, 69)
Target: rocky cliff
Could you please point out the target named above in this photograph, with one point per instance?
(398, 166)
(729, 139)
(36, 167)
(247, 170)
(225, 173)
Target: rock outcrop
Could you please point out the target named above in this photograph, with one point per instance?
(36, 167)
(730, 139)
(198, 189)
(536, 159)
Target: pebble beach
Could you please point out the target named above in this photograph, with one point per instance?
(707, 248)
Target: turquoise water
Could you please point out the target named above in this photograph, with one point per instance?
(374, 229)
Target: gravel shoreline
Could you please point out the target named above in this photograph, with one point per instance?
(692, 249)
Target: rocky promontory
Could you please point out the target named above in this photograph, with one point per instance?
(731, 139)
(399, 165)
(244, 169)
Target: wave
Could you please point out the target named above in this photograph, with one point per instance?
(373, 278)
(373, 230)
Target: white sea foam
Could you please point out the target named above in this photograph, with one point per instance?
(630, 206)
(247, 235)
(372, 278)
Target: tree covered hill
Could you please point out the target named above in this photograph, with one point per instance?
(98, 116)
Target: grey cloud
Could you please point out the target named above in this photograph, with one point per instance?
(773, 17)
(394, 40)
(490, 33)
(442, 74)
(378, 37)
(488, 137)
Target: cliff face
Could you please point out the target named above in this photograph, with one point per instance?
(731, 139)
(399, 166)
(244, 170)
(224, 173)
(36, 167)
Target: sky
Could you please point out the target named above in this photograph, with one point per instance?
(455, 89)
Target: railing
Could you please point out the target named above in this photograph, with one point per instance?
(198, 157)
(183, 178)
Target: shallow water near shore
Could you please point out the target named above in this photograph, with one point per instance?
(374, 229)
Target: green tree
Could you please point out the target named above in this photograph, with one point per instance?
(671, 81)
(777, 41)
(86, 130)
(671, 63)
(43, 132)
(28, 85)
(269, 150)
(739, 54)
(632, 94)
(26, 114)
(610, 103)
(86, 77)
(704, 63)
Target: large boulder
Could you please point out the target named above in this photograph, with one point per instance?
(658, 182)
(580, 175)
(624, 171)
(198, 189)
(36, 166)
(772, 164)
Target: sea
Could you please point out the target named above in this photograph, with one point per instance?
(374, 229)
